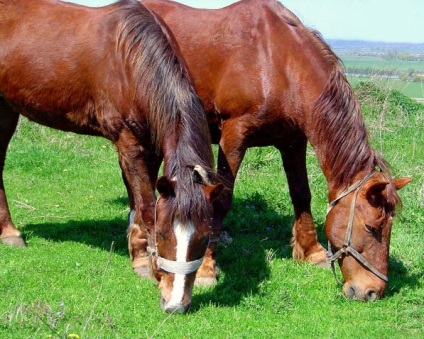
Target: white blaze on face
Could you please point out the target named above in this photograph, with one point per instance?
(183, 234)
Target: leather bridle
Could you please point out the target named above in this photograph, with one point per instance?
(347, 247)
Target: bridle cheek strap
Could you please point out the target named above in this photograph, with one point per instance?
(331, 258)
(347, 247)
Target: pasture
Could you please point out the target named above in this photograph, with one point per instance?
(75, 279)
(376, 69)
(411, 89)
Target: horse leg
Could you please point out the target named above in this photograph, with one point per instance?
(8, 121)
(130, 199)
(139, 169)
(304, 242)
(230, 154)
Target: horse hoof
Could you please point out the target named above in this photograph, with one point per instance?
(319, 259)
(205, 281)
(14, 241)
(143, 272)
(225, 238)
(323, 264)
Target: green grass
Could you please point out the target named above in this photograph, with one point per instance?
(66, 195)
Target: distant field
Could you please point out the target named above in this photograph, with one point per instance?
(377, 63)
(380, 67)
(413, 90)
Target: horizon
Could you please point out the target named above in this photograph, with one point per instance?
(362, 20)
(379, 42)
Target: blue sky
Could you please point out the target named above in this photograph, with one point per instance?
(374, 20)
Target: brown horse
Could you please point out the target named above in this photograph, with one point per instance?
(266, 79)
(115, 72)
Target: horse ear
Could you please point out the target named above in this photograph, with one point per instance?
(401, 182)
(213, 191)
(165, 187)
(374, 191)
(200, 175)
(197, 178)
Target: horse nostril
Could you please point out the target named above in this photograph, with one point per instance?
(174, 308)
(187, 307)
(162, 303)
(350, 292)
(371, 295)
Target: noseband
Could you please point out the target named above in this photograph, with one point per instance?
(171, 266)
(347, 246)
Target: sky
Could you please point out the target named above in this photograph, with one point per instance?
(372, 20)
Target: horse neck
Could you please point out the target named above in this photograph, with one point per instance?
(338, 136)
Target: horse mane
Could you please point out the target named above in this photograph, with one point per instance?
(341, 130)
(339, 123)
(340, 127)
(174, 111)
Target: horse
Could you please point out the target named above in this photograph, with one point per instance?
(116, 72)
(267, 80)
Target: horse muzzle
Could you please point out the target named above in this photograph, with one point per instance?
(174, 308)
(353, 291)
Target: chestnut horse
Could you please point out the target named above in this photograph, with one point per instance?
(116, 72)
(265, 79)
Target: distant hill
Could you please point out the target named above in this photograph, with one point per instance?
(346, 47)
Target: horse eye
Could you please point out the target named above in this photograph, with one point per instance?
(206, 240)
(370, 229)
(160, 234)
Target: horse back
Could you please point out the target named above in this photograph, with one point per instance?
(54, 55)
(253, 60)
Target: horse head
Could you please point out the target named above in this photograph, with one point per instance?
(358, 227)
(180, 242)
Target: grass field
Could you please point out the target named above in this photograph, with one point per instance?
(66, 195)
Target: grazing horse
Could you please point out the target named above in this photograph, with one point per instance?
(265, 79)
(116, 72)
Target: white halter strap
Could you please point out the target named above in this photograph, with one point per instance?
(178, 267)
